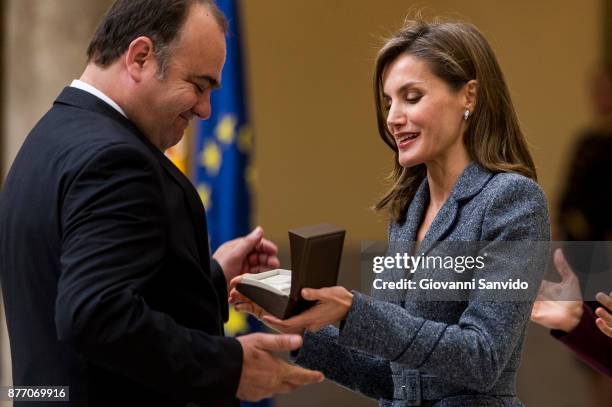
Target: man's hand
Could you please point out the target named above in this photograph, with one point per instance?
(249, 254)
(559, 305)
(263, 374)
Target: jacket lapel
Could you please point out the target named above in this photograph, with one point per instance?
(471, 182)
(196, 209)
(440, 225)
(415, 213)
(402, 239)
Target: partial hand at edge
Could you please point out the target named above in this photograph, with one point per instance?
(559, 305)
(604, 320)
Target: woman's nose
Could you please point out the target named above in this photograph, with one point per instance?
(395, 117)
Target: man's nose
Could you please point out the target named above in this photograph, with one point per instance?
(202, 107)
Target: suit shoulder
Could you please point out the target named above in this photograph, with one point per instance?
(70, 127)
(516, 209)
(514, 188)
(119, 153)
(73, 135)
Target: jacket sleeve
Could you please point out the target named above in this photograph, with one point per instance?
(348, 367)
(588, 342)
(113, 238)
(220, 283)
(474, 351)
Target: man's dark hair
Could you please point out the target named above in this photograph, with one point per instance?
(159, 20)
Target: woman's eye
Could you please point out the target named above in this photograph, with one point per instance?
(413, 98)
(198, 88)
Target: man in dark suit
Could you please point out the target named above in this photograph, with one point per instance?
(107, 279)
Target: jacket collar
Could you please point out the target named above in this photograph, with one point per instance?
(79, 98)
(84, 100)
(470, 183)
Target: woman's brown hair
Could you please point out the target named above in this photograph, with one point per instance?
(456, 53)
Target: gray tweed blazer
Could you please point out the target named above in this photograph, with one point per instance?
(406, 351)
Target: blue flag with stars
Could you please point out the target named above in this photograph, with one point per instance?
(224, 145)
(223, 174)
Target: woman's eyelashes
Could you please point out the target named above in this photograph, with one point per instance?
(413, 97)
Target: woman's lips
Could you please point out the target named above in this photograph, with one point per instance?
(404, 140)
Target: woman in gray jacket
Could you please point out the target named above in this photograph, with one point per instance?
(462, 173)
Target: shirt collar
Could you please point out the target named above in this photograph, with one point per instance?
(97, 93)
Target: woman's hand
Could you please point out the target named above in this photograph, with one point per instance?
(604, 322)
(559, 305)
(333, 304)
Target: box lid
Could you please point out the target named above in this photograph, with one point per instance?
(315, 257)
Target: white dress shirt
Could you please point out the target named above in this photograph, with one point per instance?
(97, 93)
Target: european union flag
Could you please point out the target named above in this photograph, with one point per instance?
(223, 174)
(224, 146)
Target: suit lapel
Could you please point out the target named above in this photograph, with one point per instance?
(402, 239)
(415, 213)
(440, 225)
(195, 207)
(402, 236)
(470, 182)
(407, 233)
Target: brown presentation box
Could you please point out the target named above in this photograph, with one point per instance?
(315, 261)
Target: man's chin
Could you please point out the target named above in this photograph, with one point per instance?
(176, 138)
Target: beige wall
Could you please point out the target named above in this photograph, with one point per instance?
(45, 50)
(310, 63)
(318, 154)
(45, 42)
(317, 151)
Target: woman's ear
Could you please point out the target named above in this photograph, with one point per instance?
(140, 57)
(471, 92)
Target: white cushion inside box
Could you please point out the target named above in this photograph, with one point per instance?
(277, 281)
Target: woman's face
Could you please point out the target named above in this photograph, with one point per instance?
(424, 115)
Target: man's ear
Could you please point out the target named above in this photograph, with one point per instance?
(471, 92)
(140, 58)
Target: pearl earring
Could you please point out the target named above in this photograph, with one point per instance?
(466, 114)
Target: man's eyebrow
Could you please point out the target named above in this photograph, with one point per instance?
(214, 83)
(404, 87)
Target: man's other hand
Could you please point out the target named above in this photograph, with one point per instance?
(263, 374)
(249, 254)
